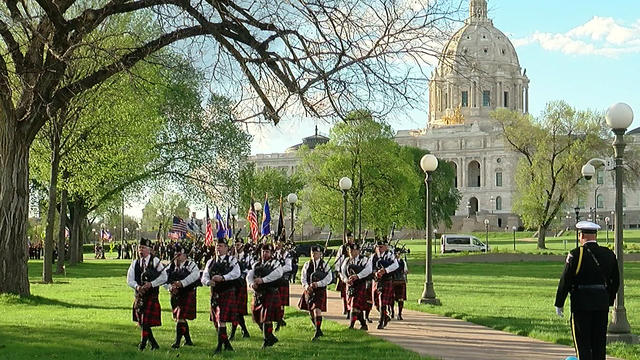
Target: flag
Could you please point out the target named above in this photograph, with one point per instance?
(281, 231)
(229, 228)
(252, 218)
(221, 229)
(266, 218)
(179, 226)
(208, 238)
(173, 235)
(106, 235)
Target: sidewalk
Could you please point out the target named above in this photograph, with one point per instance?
(447, 338)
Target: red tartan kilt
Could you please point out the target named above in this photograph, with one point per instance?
(186, 306)
(384, 297)
(241, 299)
(319, 303)
(227, 306)
(283, 291)
(151, 314)
(399, 290)
(359, 299)
(268, 311)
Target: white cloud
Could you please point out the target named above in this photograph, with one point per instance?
(602, 36)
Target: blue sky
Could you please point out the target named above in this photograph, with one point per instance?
(584, 52)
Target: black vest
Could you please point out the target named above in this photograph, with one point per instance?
(138, 270)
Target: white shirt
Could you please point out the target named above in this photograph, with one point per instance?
(322, 283)
(231, 275)
(131, 273)
(388, 255)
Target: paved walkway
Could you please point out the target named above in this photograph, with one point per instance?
(441, 337)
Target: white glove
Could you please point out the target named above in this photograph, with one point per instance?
(559, 311)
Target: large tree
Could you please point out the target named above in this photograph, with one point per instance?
(319, 57)
(387, 183)
(553, 149)
(253, 185)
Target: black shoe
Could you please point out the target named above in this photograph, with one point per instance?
(317, 335)
(364, 327)
(227, 346)
(188, 343)
(277, 327)
(369, 321)
(218, 349)
(386, 320)
(142, 345)
(400, 317)
(175, 345)
(270, 341)
(380, 326)
(154, 344)
(245, 333)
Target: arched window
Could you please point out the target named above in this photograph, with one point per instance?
(600, 201)
(455, 174)
(600, 176)
(473, 174)
(498, 203)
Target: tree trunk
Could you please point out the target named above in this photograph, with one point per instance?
(47, 264)
(14, 207)
(73, 235)
(542, 233)
(78, 219)
(61, 231)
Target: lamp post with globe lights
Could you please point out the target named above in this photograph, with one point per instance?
(258, 207)
(345, 185)
(292, 199)
(486, 232)
(428, 163)
(233, 212)
(619, 116)
(577, 210)
(514, 237)
(606, 224)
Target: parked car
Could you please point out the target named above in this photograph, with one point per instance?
(459, 243)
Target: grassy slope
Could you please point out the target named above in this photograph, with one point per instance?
(86, 315)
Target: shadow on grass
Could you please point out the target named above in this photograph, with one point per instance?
(35, 300)
(90, 269)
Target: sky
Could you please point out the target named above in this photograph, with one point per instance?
(586, 52)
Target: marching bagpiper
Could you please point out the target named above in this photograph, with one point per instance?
(400, 284)
(243, 255)
(183, 277)
(262, 279)
(315, 277)
(145, 276)
(220, 273)
(354, 273)
(283, 290)
(382, 264)
(343, 254)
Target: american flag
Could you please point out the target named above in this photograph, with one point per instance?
(208, 237)
(179, 226)
(252, 218)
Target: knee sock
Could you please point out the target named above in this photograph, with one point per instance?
(354, 317)
(185, 332)
(179, 332)
(318, 322)
(243, 325)
(400, 306)
(361, 319)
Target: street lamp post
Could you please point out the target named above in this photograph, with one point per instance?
(292, 199)
(619, 116)
(577, 210)
(233, 212)
(428, 163)
(344, 184)
(486, 232)
(514, 237)
(435, 240)
(468, 209)
(258, 207)
(606, 224)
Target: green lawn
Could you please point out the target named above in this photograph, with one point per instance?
(514, 297)
(87, 315)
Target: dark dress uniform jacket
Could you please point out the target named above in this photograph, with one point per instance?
(593, 285)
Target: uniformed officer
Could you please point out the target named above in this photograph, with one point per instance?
(592, 277)
(145, 276)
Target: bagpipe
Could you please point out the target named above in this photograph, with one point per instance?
(149, 274)
(261, 270)
(319, 274)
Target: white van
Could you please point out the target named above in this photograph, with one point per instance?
(459, 243)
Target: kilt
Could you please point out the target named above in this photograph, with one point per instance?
(150, 314)
(227, 305)
(382, 292)
(359, 297)
(268, 310)
(399, 290)
(283, 292)
(241, 299)
(184, 305)
(320, 301)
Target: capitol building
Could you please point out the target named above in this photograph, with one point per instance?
(478, 72)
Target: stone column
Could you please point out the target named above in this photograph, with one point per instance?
(526, 99)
